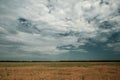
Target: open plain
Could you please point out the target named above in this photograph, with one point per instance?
(59, 70)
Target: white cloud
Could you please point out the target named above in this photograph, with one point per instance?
(56, 16)
(40, 43)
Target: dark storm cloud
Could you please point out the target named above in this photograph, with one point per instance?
(25, 25)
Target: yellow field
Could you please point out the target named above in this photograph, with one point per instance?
(59, 70)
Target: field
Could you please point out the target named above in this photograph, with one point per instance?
(59, 70)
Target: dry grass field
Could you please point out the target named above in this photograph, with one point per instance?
(59, 70)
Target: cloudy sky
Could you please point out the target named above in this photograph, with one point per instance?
(59, 30)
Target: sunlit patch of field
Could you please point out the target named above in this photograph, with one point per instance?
(59, 70)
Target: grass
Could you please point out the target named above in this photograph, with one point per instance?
(83, 77)
(82, 64)
(58, 64)
(59, 70)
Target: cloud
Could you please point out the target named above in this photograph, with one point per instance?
(58, 26)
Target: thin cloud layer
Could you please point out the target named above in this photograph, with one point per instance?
(58, 27)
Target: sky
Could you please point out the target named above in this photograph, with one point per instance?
(53, 30)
